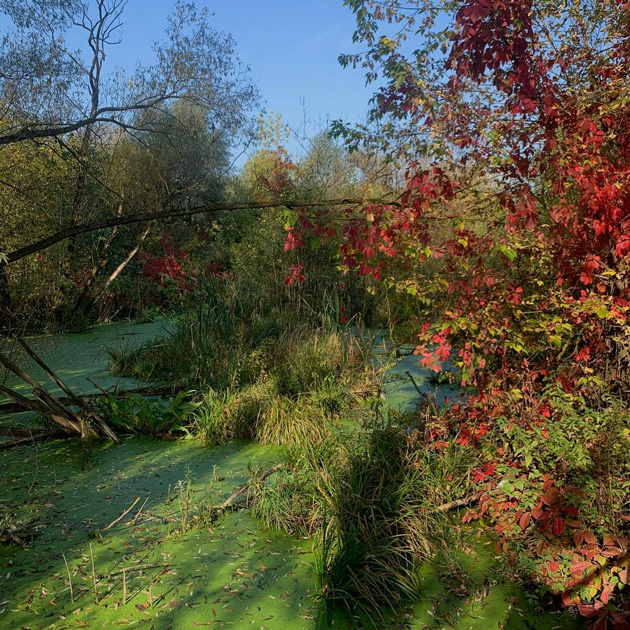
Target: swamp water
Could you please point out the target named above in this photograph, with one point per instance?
(231, 573)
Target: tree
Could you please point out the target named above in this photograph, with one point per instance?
(69, 102)
(53, 90)
(519, 106)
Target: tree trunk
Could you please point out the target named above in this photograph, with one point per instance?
(87, 303)
(6, 301)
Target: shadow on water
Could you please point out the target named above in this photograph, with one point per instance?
(229, 572)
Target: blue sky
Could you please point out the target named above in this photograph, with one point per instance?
(291, 47)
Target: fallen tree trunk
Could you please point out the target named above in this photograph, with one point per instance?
(30, 404)
(84, 228)
(163, 390)
(88, 411)
(51, 407)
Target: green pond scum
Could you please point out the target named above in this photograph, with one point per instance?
(144, 570)
(230, 573)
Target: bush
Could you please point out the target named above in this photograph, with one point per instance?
(140, 416)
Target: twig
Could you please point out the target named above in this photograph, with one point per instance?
(121, 516)
(69, 576)
(134, 520)
(93, 575)
(34, 437)
(243, 490)
(30, 488)
(447, 507)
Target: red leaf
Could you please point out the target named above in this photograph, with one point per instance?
(558, 526)
(525, 520)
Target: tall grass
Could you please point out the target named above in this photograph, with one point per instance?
(373, 538)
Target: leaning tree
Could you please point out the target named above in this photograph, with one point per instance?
(69, 102)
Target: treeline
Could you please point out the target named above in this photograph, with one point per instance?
(83, 144)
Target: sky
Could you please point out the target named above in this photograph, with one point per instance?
(291, 46)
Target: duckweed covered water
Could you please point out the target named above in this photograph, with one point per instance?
(229, 573)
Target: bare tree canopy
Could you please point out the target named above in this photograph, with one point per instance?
(48, 89)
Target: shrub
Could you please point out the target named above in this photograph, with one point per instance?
(140, 416)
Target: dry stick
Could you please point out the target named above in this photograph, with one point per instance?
(133, 521)
(36, 437)
(69, 576)
(121, 516)
(93, 575)
(238, 493)
(124, 586)
(24, 432)
(82, 404)
(446, 507)
(138, 567)
(30, 488)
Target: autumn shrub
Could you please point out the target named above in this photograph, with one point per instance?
(551, 474)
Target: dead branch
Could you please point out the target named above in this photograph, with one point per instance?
(38, 407)
(120, 518)
(35, 436)
(84, 228)
(11, 408)
(53, 403)
(452, 505)
(232, 498)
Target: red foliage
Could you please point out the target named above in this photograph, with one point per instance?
(540, 291)
(169, 267)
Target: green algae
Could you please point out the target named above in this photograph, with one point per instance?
(230, 572)
(79, 358)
